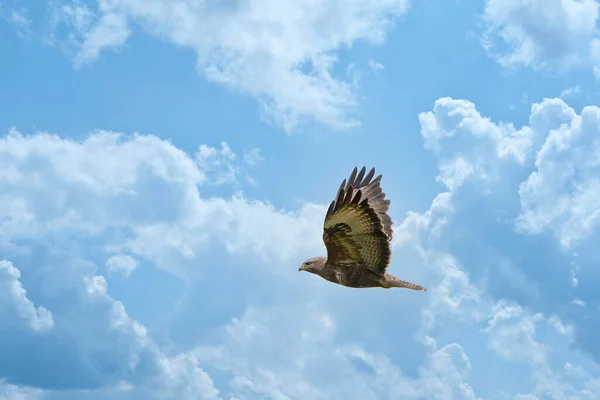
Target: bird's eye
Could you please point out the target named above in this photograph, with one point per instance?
(307, 263)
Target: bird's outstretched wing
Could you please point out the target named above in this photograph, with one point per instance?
(357, 230)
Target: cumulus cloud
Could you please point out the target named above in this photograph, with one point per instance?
(557, 34)
(100, 347)
(14, 295)
(312, 363)
(104, 189)
(480, 221)
(102, 342)
(453, 122)
(166, 377)
(494, 220)
(558, 194)
(487, 300)
(513, 334)
(82, 188)
(96, 182)
(516, 340)
(281, 52)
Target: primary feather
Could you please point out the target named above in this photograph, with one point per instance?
(357, 233)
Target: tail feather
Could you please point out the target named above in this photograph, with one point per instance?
(392, 281)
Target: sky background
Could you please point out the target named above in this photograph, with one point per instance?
(165, 167)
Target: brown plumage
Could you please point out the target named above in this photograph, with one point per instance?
(357, 233)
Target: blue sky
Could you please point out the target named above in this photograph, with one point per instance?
(165, 166)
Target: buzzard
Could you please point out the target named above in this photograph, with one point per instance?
(357, 233)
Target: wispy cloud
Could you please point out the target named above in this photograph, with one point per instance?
(555, 34)
(283, 53)
(570, 91)
(18, 19)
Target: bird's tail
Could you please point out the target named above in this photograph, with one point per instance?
(392, 281)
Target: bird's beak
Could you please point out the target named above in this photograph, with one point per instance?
(301, 268)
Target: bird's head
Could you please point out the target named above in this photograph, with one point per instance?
(313, 264)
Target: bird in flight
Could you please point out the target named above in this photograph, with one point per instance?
(357, 233)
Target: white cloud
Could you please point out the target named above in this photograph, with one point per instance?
(14, 392)
(513, 334)
(14, 295)
(542, 33)
(547, 188)
(87, 184)
(253, 157)
(309, 362)
(78, 19)
(570, 91)
(122, 263)
(459, 120)
(103, 335)
(464, 141)
(183, 379)
(179, 376)
(108, 187)
(96, 185)
(221, 165)
(280, 52)
(561, 194)
(110, 31)
(515, 340)
(95, 284)
(454, 173)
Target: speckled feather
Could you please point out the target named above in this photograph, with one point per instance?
(354, 230)
(354, 234)
(357, 233)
